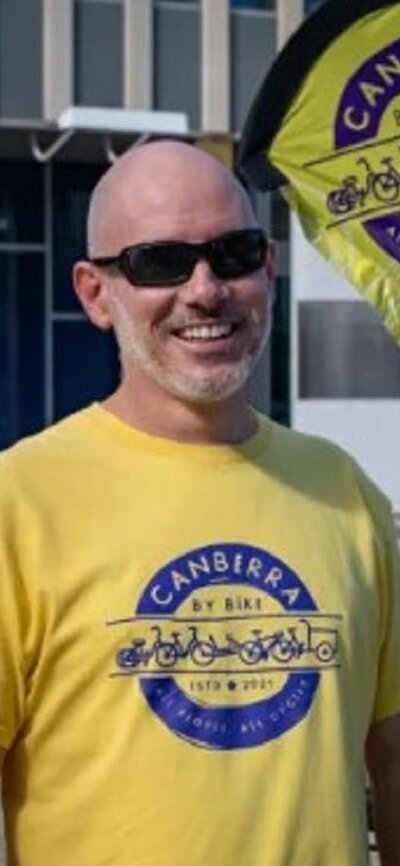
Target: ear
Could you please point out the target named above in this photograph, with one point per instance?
(91, 291)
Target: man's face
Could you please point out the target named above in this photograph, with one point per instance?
(199, 340)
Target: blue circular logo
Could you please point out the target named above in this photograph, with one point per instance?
(228, 646)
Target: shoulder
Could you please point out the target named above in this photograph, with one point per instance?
(323, 469)
(34, 456)
(309, 451)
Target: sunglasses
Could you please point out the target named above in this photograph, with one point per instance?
(170, 263)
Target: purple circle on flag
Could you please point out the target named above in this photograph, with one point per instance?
(364, 101)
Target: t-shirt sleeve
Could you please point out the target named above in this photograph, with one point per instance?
(387, 699)
(18, 613)
(13, 625)
(387, 694)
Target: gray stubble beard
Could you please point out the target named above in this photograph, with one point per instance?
(135, 352)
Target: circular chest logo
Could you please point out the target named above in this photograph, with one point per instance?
(368, 122)
(228, 646)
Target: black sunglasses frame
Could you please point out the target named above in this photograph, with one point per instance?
(209, 250)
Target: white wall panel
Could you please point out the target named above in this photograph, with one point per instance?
(368, 429)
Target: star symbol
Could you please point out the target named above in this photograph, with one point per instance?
(231, 685)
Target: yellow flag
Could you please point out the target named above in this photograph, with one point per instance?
(326, 127)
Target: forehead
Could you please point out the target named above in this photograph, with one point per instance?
(177, 203)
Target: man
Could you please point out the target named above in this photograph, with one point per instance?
(199, 610)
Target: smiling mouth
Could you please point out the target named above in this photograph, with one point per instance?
(205, 333)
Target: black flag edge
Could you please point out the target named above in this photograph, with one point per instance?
(283, 81)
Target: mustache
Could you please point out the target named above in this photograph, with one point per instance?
(223, 313)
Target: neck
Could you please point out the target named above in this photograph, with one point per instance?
(224, 422)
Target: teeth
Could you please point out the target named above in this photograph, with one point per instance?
(206, 332)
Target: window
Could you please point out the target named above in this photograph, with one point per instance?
(85, 359)
(85, 365)
(253, 4)
(72, 186)
(21, 300)
(21, 346)
(21, 203)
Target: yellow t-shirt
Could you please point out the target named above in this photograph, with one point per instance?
(193, 642)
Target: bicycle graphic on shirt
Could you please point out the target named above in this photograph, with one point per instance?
(382, 186)
(283, 646)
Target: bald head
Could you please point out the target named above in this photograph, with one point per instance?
(151, 192)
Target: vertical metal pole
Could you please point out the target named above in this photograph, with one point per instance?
(215, 65)
(13, 339)
(48, 297)
(138, 54)
(57, 58)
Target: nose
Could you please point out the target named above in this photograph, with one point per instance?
(203, 288)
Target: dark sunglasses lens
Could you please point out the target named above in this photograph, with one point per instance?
(159, 264)
(239, 253)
